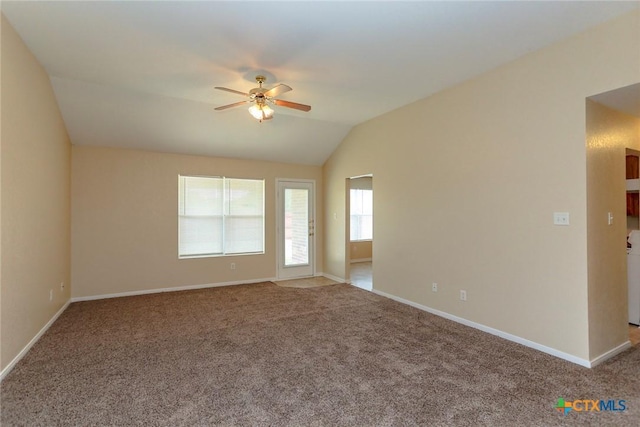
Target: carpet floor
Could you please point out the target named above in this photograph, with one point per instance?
(260, 354)
(306, 282)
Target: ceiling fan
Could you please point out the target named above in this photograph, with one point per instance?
(261, 98)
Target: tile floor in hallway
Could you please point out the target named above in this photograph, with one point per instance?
(362, 275)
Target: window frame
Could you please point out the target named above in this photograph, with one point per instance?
(224, 216)
(351, 198)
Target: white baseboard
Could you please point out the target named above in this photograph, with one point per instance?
(609, 354)
(334, 278)
(30, 344)
(173, 289)
(514, 338)
(356, 260)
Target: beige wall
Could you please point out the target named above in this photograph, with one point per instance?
(467, 182)
(35, 198)
(609, 133)
(125, 224)
(353, 157)
(2, 362)
(361, 250)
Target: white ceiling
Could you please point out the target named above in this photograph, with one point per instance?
(141, 74)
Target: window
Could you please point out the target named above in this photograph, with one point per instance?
(220, 216)
(361, 214)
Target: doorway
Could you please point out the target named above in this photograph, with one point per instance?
(612, 118)
(360, 231)
(295, 228)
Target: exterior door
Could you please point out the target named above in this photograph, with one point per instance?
(296, 229)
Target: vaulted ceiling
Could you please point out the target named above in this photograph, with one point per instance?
(142, 74)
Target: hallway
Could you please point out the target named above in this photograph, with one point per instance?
(362, 275)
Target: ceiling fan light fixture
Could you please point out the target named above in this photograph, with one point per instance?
(261, 112)
(260, 97)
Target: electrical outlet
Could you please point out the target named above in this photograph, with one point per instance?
(463, 295)
(561, 218)
(233, 265)
(62, 286)
(50, 294)
(434, 287)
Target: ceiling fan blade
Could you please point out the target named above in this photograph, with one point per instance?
(235, 104)
(232, 91)
(277, 90)
(290, 104)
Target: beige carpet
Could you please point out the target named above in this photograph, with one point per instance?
(306, 282)
(264, 355)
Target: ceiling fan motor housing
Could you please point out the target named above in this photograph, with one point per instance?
(258, 91)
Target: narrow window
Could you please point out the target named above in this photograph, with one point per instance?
(361, 214)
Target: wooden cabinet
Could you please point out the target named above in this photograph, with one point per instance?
(633, 170)
(633, 198)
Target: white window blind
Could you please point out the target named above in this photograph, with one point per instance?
(220, 216)
(361, 214)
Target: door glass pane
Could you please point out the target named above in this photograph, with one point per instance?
(296, 226)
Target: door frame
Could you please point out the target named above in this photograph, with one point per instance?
(347, 228)
(279, 228)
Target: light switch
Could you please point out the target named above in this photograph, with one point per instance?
(561, 218)
(610, 218)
